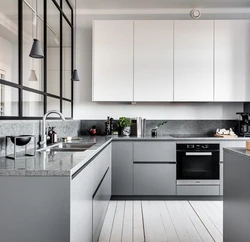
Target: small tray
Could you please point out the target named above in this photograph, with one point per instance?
(226, 136)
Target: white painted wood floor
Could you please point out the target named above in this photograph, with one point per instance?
(153, 221)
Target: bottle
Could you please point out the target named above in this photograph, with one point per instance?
(106, 128)
(54, 136)
(111, 130)
(49, 139)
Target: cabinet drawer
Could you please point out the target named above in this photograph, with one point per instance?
(198, 190)
(150, 151)
(154, 179)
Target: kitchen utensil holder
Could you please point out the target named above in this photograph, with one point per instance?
(26, 155)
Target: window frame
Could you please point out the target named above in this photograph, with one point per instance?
(21, 88)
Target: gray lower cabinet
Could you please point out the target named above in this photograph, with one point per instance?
(56, 208)
(122, 168)
(81, 205)
(154, 179)
(100, 204)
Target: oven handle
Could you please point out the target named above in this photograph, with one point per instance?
(199, 153)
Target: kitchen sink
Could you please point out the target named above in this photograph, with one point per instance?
(70, 147)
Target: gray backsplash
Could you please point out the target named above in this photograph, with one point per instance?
(77, 127)
(205, 127)
(32, 127)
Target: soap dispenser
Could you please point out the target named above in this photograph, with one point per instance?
(54, 135)
(50, 132)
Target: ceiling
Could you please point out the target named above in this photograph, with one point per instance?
(152, 4)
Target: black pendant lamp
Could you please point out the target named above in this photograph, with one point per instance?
(75, 76)
(36, 50)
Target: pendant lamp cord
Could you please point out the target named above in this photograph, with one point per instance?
(36, 20)
(75, 39)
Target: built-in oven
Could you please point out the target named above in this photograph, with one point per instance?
(198, 164)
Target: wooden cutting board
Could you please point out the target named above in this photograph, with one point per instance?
(226, 136)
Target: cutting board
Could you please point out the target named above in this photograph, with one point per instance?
(226, 136)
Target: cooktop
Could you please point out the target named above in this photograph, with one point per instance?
(190, 135)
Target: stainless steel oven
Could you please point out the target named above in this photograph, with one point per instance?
(198, 164)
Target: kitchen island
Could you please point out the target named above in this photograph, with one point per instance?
(236, 211)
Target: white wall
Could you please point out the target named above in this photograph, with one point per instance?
(84, 108)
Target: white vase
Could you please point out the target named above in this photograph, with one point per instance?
(126, 131)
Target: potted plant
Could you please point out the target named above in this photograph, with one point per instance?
(124, 126)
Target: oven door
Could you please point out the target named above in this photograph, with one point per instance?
(198, 165)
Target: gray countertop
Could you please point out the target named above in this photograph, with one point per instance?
(67, 163)
(238, 150)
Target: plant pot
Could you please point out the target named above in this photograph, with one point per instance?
(126, 131)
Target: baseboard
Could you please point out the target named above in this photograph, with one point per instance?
(199, 198)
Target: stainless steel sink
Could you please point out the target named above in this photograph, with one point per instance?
(70, 147)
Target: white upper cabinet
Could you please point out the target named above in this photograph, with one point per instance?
(232, 60)
(153, 61)
(112, 60)
(193, 60)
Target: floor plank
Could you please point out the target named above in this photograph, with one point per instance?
(116, 234)
(217, 236)
(199, 226)
(108, 222)
(127, 233)
(171, 233)
(154, 227)
(184, 227)
(138, 228)
(212, 215)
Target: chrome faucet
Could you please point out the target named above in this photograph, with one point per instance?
(43, 141)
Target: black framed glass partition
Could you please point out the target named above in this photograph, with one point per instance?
(30, 87)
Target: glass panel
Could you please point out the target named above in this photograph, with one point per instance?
(32, 68)
(33, 104)
(9, 40)
(53, 49)
(67, 109)
(53, 104)
(67, 57)
(67, 10)
(8, 101)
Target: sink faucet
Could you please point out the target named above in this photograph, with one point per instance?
(43, 141)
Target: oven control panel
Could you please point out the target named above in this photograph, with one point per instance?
(198, 146)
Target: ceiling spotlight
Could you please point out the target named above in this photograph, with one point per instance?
(195, 14)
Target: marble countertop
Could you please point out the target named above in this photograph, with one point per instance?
(55, 163)
(67, 163)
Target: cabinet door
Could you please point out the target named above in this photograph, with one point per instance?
(122, 168)
(232, 60)
(154, 179)
(193, 60)
(100, 204)
(154, 151)
(101, 164)
(81, 205)
(153, 61)
(221, 179)
(113, 60)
